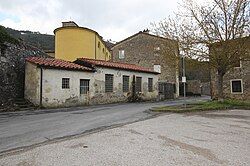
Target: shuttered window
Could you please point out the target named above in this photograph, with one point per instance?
(84, 86)
(150, 84)
(138, 82)
(125, 80)
(109, 82)
(65, 83)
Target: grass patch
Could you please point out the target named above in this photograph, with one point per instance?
(205, 106)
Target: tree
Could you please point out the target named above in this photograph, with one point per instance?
(5, 37)
(214, 26)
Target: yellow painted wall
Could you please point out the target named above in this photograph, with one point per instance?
(77, 42)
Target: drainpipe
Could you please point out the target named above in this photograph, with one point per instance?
(41, 86)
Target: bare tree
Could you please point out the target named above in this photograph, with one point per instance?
(210, 31)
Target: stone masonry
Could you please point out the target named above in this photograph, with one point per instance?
(238, 73)
(12, 63)
(147, 50)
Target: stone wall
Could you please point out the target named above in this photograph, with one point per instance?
(194, 87)
(148, 50)
(236, 73)
(205, 88)
(12, 62)
(242, 73)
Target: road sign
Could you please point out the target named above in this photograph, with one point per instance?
(184, 79)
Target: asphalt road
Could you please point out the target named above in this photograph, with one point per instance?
(19, 129)
(207, 138)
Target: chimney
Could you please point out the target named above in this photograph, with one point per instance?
(146, 30)
(69, 24)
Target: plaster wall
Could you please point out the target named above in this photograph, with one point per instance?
(54, 96)
(32, 83)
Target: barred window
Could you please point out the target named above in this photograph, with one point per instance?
(150, 84)
(236, 86)
(65, 83)
(138, 82)
(84, 86)
(109, 82)
(125, 80)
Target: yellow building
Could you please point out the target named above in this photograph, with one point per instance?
(72, 42)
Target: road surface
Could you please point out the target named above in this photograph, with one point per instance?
(22, 129)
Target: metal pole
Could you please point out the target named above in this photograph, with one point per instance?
(184, 82)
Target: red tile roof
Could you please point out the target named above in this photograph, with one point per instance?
(56, 63)
(109, 64)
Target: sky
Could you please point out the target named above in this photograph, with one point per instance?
(112, 19)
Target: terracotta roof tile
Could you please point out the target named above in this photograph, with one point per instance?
(56, 63)
(109, 64)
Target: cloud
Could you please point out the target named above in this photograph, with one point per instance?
(112, 19)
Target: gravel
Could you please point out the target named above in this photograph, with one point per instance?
(207, 138)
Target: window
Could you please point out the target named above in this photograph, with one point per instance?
(65, 83)
(125, 80)
(99, 45)
(150, 84)
(109, 82)
(236, 86)
(84, 86)
(161, 88)
(237, 63)
(121, 54)
(174, 87)
(103, 50)
(157, 68)
(138, 82)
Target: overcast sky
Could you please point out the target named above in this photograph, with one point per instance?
(112, 19)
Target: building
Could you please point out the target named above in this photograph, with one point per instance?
(51, 53)
(58, 83)
(72, 42)
(154, 52)
(236, 82)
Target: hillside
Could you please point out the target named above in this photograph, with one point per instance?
(36, 39)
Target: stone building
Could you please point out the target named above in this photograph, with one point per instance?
(236, 82)
(154, 52)
(58, 83)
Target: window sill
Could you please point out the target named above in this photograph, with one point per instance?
(236, 93)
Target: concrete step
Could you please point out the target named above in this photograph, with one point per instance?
(27, 109)
(24, 104)
(2, 109)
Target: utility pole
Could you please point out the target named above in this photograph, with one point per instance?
(184, 80)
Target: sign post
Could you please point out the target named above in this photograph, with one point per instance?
(184, 80)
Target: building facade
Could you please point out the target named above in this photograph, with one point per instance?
(72, 42)
(154, 52)
(57, 83)
(236, 82)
